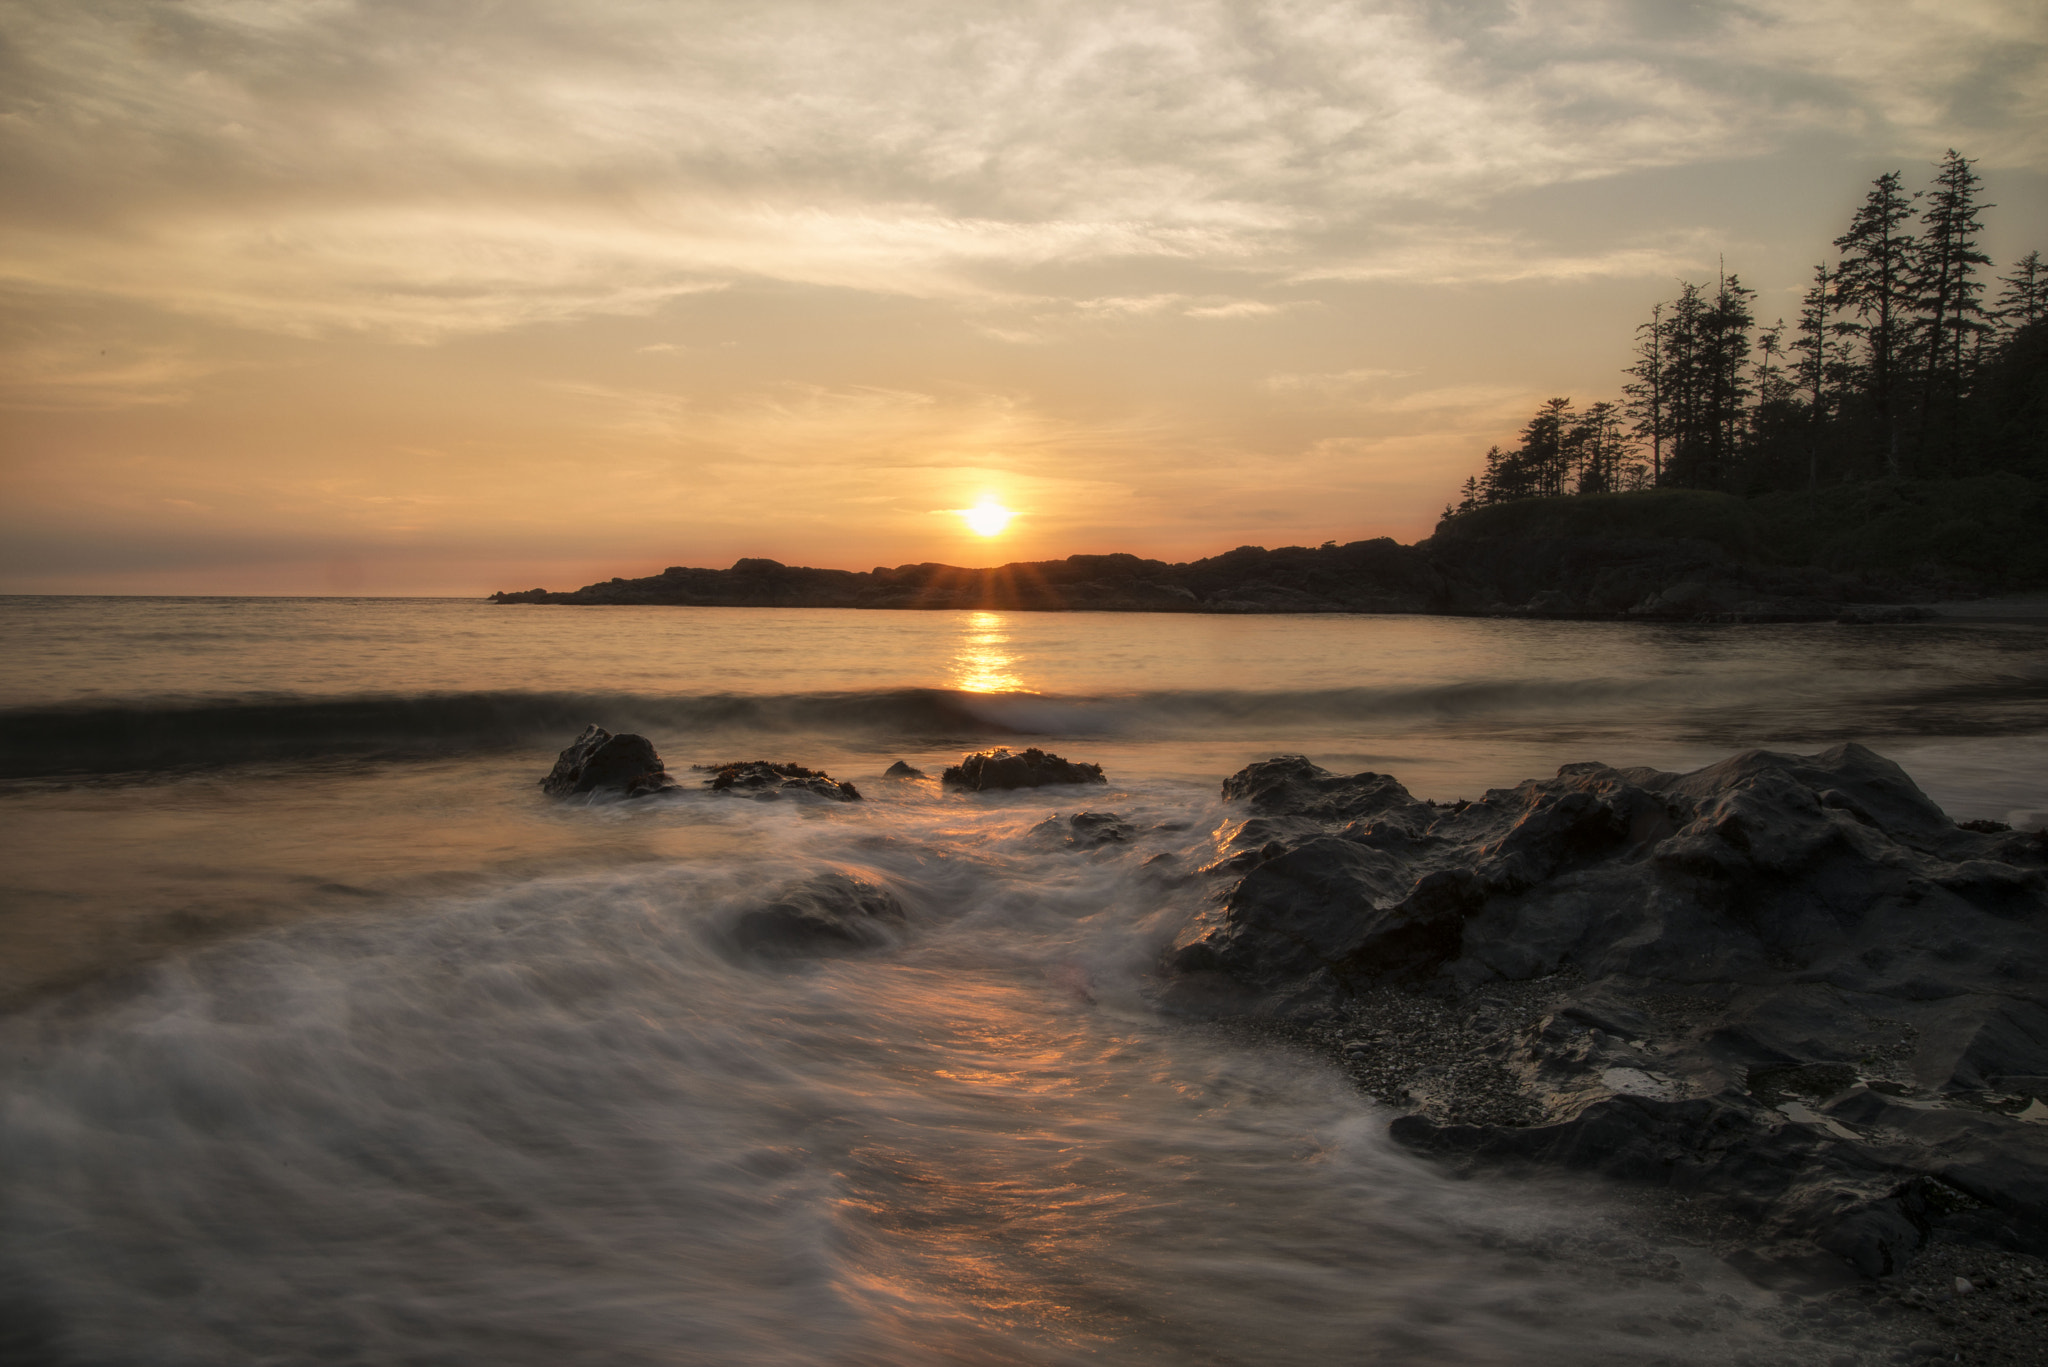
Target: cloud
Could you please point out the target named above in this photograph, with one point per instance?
(1329, 384)
(1443, 255)
(425, 169)
(1235, 308)
(77, 375)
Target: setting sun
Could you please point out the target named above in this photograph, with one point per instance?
(987, 517)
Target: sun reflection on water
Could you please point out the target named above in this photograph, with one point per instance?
(983, 664)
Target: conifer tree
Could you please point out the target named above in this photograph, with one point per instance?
(1687, 364)
(1727, 347)
(1817, 346)
(1706, 382)
(1601, 448)
(1645, 393)
(1874, 281)
(1949, 293)
(1812, 372)
(2024, 299)
(1547, 453)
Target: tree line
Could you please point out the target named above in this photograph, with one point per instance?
(1896, 366)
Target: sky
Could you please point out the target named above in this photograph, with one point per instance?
(447, 296)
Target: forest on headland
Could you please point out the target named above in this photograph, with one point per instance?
(1901, 367)
(1887, 446)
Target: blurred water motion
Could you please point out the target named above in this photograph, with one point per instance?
(332, 1039)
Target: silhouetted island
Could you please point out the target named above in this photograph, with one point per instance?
(1868, 553)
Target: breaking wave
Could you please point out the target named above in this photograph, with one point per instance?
(146, 734)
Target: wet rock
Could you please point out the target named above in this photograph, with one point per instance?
(1033, 768)
(598, 761)
(1087, 830)
(765, 781)
(902, 770)
(832, 913)
(1289, 785)
(1789, 983)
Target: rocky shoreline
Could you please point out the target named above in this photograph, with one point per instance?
(1789, 1009)
(1790, 1005)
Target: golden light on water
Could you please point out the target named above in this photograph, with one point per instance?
(983, 664)
(988, 517)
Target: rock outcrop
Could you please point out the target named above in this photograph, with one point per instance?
(1789, 982)
(1085, 830)
(1033, 768)
(599, 762)
(833, 913)
(766, 781)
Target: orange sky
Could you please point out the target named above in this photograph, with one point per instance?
(311, 296)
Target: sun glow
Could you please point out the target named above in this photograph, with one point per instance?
(988, 517)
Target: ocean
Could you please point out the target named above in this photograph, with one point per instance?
(328, 1038)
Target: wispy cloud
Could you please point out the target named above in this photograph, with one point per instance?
(1448, 255)
(1328, 383)
(420, 170)
(78, 375)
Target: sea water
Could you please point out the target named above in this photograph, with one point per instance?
(329, 1038)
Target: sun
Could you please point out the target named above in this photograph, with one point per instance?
(988, 517)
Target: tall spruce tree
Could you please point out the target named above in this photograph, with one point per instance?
(1874, 281)
(1817, 347)
(1645, 399)
(1687, 363)
(1950, 296)
(1706, 349)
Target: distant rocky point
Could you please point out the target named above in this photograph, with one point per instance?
(1659, 555)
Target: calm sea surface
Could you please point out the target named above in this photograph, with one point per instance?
(329, 1039)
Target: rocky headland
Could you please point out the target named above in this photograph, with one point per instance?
(1664, 554)
(1788, 988)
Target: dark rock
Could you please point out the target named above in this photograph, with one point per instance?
(901, 770)
(1087, 830)
(1791, 983)
(832, 913)
(598, 761)
(1288, 785)
(764, 781)
(1034, 768)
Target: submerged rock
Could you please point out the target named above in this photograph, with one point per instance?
(1789, 981)
(1086, 830)
(833, 912)
(902, 770)
(765, 781)
(1033, 768)
(598, 761)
